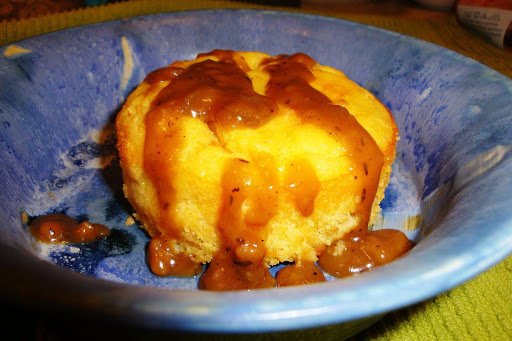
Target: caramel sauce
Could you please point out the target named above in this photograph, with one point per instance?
(301, 181)
(221, 94)
(299, 273)
(362, 251)
(289, 86)
(165, 259)
(218, 93)
(226, 273)
(249, 201)
(62, 229)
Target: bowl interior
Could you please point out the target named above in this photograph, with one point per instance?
(449, 188)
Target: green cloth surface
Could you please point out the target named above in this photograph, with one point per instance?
(480, 309)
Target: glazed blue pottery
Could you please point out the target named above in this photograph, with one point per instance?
(59, 95)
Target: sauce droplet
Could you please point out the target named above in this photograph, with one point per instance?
(224, 273)
(301, 181)
(62, 229)
(165, 259)
(361, 251)
(299, 273)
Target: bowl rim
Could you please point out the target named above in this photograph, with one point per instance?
(257, 310)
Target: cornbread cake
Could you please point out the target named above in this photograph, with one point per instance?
(271, 157)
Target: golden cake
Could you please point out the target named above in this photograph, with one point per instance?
(272, 158)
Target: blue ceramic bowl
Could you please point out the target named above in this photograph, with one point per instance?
(59, 95)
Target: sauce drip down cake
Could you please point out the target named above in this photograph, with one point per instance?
(242, 161)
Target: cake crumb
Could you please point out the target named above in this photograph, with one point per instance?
(129, 221)
(24, 217)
